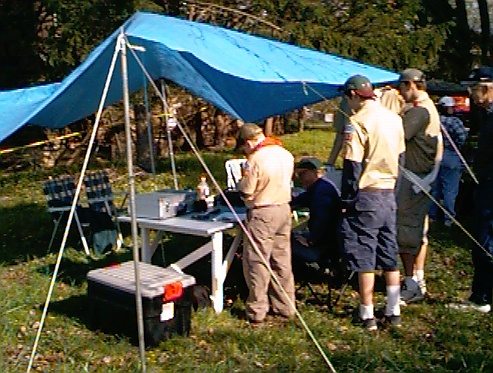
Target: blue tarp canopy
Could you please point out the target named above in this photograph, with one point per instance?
(249, 77)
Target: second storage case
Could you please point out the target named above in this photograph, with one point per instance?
(166, 301)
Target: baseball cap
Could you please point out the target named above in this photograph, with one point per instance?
(412, 75)
(483, 74)
(248, 131)
(361, 84)
(309, 163)
(446, 101)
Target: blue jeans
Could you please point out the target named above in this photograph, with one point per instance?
(482, 283)
(446, 185)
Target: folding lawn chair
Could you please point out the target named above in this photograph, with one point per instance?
(101, 199)
(59, 193)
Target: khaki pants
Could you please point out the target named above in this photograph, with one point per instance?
(412, 210)
(270, 228)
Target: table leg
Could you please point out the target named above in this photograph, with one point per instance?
(149, 248)
(145, 251)
(217, 271)
(228, 259)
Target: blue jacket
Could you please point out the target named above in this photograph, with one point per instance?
(324, 203)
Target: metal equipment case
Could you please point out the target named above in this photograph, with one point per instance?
(164, 204)
(166, 305)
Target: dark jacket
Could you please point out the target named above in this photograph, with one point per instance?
(483, 159)
(324, 203)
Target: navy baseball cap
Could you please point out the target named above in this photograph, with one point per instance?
(483, 74)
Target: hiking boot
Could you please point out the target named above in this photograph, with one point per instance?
(393, 320)
(470, 306)
(255, 323)
(370, 324)
(411, 292)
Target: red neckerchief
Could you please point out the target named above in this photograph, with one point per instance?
(267, 142)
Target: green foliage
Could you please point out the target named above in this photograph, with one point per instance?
(394, 35)
(51, 38)
(80, 26)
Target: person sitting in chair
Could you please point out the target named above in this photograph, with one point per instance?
(319, 242)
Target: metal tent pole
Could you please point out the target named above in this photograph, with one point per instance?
(168, 131)
(131, 183)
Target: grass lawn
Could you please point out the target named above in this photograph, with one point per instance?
(432, 338)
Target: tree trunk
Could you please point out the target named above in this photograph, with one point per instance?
(199, 137)
(464, 33)
(485, 32)
(142, 148)
(301, 119)
(268, 126)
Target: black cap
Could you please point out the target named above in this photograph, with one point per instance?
(483, 74)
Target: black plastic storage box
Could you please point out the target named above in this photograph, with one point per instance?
(166, 301)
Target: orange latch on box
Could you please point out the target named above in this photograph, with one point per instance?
(172, 291)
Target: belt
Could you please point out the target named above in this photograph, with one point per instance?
(371, 189)
(263, 206)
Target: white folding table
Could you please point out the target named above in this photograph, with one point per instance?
(203, 228)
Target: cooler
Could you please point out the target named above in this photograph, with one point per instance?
(166, 301)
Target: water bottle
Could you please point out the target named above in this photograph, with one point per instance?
(203, 190)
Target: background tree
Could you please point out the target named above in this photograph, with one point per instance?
(486, 47)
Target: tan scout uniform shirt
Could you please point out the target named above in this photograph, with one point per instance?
(268, 177)
(377, 141)
(422, 138)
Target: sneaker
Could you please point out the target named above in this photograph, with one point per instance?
(393, 320)
(370, 324)
(448, 223)
(411, 292)
(470, 306)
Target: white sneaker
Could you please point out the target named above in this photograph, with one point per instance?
(411, 292)
(470, 306)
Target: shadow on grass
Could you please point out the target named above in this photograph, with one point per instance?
(26, 231)
(76, 307)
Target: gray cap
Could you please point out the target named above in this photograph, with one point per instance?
(361, 84)
(309, 163)
(412, 75)
(248, 131)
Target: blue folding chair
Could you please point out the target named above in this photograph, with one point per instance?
(59, 193)
(101, 199)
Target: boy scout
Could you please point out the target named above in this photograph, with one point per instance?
(266, 190)
(373, 145)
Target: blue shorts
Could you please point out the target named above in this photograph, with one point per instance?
(369, 232)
